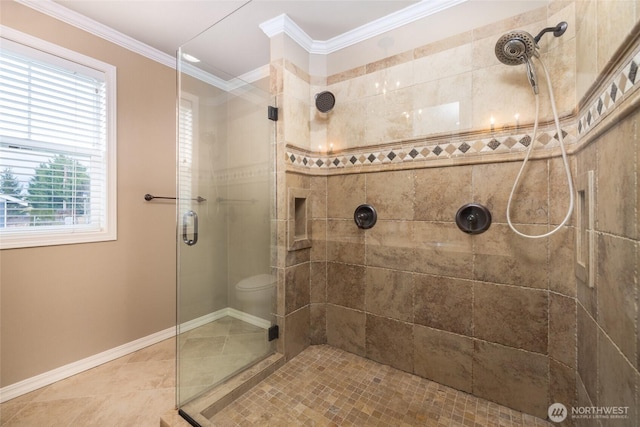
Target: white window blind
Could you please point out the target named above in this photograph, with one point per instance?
(56, 153)
(185, 152)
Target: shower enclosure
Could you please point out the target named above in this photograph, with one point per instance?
(226, 288)
(418, 132)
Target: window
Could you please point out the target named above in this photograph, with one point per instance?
(186, 121)
(57, 145)
(187, 151)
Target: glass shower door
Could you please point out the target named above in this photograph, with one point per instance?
(226, 289)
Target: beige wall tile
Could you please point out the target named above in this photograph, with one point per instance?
(345, 241)
(346, 124)
(318, 282)
(511, 316)
(587, 352)
(562, 276)
(297, 287)
(318, 240)
(346, 285)
(354, 88)
(583, 400)
(558, 11)
(421, 247)
(562, 329)
(443, 357)
(344, 194)
(443, 105)
(443, 64)
(390, 62)
(296, 332)
(444, 303)
(510, 92)
(616, 187)
(295, 85)
(391, 194)
(295, 119)
(611, 31)
(617, 381)
(559, 190)
(562, 387)
(440, 192)
(561, 67)
(511, 259)
(346, 329)
(390, 342)
(318, 324)
(492, 184)
(586, 46)
(387, 80)
(388, 117)
(511, 377)
(617, 284)
(318, 196)
(389, 293)
(296, 257)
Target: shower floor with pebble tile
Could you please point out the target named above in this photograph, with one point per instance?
(325, 386)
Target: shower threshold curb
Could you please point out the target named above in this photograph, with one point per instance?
(212, 402)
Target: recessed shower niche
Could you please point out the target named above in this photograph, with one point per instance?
(298, 224)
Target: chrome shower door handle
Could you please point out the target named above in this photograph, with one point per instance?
(187, 218)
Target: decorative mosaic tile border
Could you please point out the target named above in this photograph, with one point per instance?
(619, 85)
(425, 150)
(245, 173)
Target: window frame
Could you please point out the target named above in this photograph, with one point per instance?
(36, 236)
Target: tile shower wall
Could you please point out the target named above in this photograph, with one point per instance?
(492, 314)
(415, 292)
(444, 87)
(607, 316)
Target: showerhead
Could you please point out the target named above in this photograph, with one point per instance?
(325, 101)
(516, 47)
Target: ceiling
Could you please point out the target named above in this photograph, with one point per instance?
(227, 33)
(168, 24)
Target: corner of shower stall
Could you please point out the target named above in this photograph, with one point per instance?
(226, 276)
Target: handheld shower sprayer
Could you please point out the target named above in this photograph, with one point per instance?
(519, 47)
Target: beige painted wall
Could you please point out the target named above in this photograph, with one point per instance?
(63, 303)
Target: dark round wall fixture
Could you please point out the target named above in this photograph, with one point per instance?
(473, 218)
(325, 101)
(365, 216)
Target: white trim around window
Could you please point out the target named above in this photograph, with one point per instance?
(101, 198)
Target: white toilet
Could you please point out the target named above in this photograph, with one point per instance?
(255, 295)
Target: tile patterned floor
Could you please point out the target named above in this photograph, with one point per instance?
(213, 352)
(325, 386)
(132, 391)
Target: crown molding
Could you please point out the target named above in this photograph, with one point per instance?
(284, 24)
(422, 9)
(75, 19)
(272, 27)
(57, 11)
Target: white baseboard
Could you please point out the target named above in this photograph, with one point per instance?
(249, 318)
(202, 320)
(227, 311)
(30, 384)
